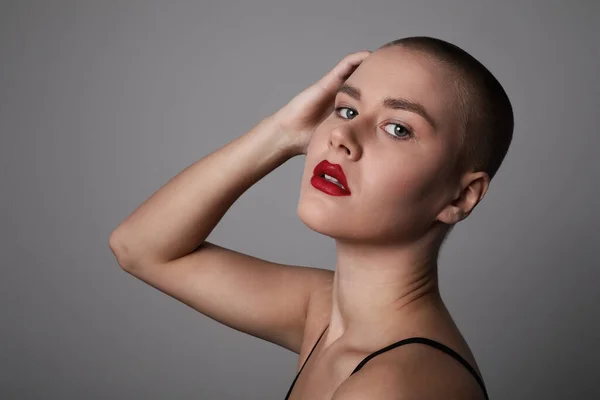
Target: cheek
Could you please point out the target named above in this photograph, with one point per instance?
(320, 134)
(317, 145)
(403, 175)
(316, 149)
(406, 183)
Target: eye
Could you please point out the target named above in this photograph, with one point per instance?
(399, 132)
(350, 111)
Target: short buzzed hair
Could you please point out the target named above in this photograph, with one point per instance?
(485, 112)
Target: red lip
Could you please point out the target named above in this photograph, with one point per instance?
(334, 170)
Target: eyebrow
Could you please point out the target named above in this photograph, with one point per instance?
(393, 103)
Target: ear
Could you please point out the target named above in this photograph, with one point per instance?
(471, 190)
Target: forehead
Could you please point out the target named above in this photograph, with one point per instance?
(404, 73)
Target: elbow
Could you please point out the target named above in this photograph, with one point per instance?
(119, 248)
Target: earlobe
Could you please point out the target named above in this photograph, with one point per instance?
(451, 214)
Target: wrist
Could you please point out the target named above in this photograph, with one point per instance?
(287, 142)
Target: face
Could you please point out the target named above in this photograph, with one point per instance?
(398, 159)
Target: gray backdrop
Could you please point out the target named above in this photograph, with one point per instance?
(101, 103)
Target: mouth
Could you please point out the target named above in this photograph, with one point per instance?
(330, 178)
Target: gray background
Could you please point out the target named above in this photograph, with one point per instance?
(101, 103)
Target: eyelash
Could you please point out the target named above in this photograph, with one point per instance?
(407, 136)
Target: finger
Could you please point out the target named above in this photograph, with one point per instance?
(342, 71)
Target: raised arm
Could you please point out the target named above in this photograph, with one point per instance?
(163, 241)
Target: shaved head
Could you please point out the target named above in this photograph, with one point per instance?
(483, 110)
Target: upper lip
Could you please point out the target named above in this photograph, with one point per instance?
(334, 170)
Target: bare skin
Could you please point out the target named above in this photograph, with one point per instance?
(405, 193)
(387, 232)
(414, 369)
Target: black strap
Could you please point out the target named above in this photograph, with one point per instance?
(432, 343)
(421, 340)
(309, 354)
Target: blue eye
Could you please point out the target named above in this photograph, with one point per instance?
(346, 108)
(400, 132)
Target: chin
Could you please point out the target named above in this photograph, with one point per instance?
(322, 220)
(315, 217)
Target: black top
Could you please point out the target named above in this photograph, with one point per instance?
(422, 340)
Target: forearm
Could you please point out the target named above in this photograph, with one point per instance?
(181, 214)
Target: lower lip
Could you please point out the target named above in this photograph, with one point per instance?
(328, 187)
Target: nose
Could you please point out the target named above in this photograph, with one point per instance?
(343, 138)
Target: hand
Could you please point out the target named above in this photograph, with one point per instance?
(300, 117)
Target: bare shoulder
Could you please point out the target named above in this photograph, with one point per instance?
(411, 373)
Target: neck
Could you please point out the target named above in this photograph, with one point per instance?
(376, 288)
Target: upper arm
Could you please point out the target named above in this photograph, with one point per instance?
(261, 298)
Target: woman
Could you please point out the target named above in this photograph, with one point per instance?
(400, 145)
